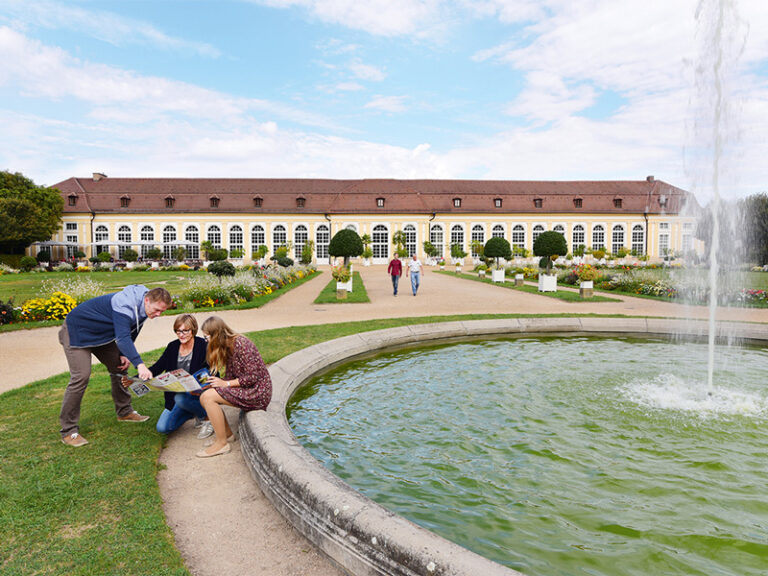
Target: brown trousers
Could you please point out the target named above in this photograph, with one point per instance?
(79, 360)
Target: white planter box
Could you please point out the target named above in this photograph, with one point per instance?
(519, 279)
(344, 285)
(547, 283)
(497, 275)
(458, 269)
(590, 284)
(129, 265)
(586, 289)
(155, 264)
(481, 273)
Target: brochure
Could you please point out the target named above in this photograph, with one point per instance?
(173, 381)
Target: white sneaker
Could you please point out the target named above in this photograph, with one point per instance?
(205, 430)
(199, 422)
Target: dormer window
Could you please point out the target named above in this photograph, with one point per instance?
(380, 202)
(538, 202)
(617, 202)
(257, 200)
(214, 201)
(169, 201)
(577, 202)
(300, 202)
(457, 202)
(72, 199)
(125, 201)
(497, 202)
(663, 201)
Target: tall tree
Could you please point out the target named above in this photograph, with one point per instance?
(28, 212)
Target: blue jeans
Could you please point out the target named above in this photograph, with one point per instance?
(395, 281)
(415, 277)
(187, 407)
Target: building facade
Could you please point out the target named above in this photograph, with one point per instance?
(115, 214)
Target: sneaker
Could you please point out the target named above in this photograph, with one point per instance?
(133, 417)
(74, 440)
(205, 430)
(199, 422)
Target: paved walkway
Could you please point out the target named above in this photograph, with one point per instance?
(234, 530)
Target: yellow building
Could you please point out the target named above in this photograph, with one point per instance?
(113, 214)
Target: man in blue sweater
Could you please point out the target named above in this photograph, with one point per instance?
(106, 326)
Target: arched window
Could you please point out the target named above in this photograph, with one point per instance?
(478, 235)
(410, 239)
(436, 238)
(598, 237)
(124, 235)
(147, 237)
(279, 237)
(258, 238)
(351, 227)
(560, 229)
(518, 238)
(498, 231)
(380, 242)
(638, 239)
(214, 236)
(300, 237)
(617, 238)
(322, 239)
(457, 235)
(101, 234)
(537, 231)
(169, 241)
(192, 238)
(577, 237)
(236, 240)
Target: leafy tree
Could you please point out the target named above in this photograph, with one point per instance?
(27, 263)
(550, 244)
(153, 254)
(130, 255)
(307, 252)
(44, 255)
(497, 248)
(457, 252)
(28, 213)
(180, 253)
(345, 243)
(429, 249)
(398, 239)
(221, 268)
(754, 211)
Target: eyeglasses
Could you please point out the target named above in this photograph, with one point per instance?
(182, 331)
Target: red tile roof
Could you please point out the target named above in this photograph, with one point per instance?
(359, 196)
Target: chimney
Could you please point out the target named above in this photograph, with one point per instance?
(650, 178)
(98, 176)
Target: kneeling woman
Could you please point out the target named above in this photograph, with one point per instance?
(246, 383)
(188, 352)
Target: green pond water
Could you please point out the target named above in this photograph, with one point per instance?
(559, 456)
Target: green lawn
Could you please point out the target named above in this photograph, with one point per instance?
(566, 295)
(96, 510)
(24, 286)
(358, 294)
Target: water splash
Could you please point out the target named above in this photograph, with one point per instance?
(670, 392)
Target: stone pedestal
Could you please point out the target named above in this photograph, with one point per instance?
(519, 279)
(586, 289)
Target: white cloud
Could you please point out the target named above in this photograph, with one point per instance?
(547, 98)
(387, 103)
(420, 18)
(366, 71)
(105, 26)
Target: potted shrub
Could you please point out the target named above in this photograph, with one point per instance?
(549, 246)
(80, 257)
(153, 254)
(441, 263)
(497, 248)
(307, 251)
(367, 253)
(587, 275)
(345, 243)
(458, 255)
(481, 268)
(343, 278)
(237, 255)
(220, 268)
(430, 251)
(130, 256)
(260, 253)
(44, 257)
(180, 254)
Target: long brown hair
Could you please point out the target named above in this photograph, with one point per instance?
(221, 342)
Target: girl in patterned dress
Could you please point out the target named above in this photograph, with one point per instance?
(245, 384)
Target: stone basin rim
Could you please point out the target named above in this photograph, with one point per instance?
(360, 536)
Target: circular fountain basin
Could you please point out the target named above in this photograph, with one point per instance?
(360, 535)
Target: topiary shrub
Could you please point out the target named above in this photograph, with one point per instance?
(345, 243)
(7, 312)
(550, 244)
(130, 255)
(154, 254)
(27, 263)
(221, 268)
(497, 248)
(44, 255)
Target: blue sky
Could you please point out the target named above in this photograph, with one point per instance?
(487, 89)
